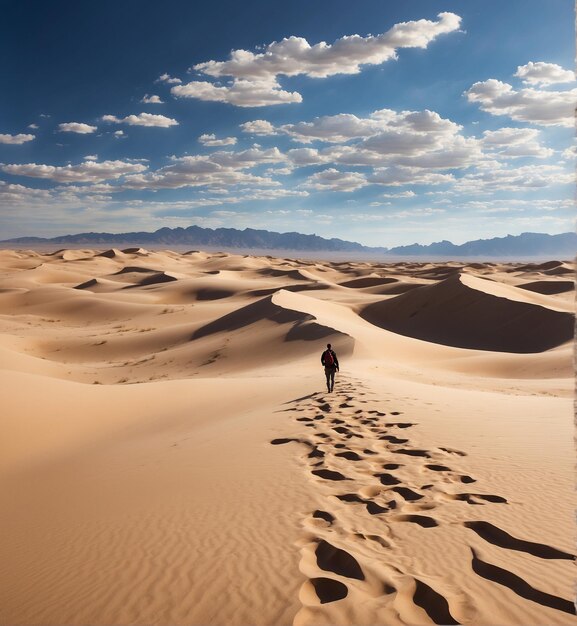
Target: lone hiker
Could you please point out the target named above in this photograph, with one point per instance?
(331, 364)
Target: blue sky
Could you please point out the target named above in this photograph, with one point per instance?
(379, 121)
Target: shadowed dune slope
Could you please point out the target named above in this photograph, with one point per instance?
(455, 313)
(301, 325)
(549, 287)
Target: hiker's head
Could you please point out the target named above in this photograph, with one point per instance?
(329, 346)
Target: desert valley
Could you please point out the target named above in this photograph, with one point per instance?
(170, 454)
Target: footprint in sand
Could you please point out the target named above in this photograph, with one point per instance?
(433, 603)
(329, 475)
(324, 515)
(388, 479)
(337, 561)
(453, 451)
(375, 509)
(323, 590)
(350, 456)
(421, 520)
(438, 468)
(408, 494)
(413, 452)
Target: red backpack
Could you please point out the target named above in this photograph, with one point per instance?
(329, 359)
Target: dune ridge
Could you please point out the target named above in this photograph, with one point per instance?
(170, 455)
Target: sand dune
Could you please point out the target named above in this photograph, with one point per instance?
(170, 456)
(468, 312)
(549, 287)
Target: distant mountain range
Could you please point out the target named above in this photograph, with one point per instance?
(526, 244)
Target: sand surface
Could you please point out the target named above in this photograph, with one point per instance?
(170, 455)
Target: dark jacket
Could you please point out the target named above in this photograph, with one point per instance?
(334, 357)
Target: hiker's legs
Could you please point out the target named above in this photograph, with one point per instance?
(328, 376)
(332, 379)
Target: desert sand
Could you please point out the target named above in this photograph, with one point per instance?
(170, 454)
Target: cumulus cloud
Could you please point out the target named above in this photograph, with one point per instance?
(397, 176)
(151, 100)
(11, 194)
(409, 138)
(544, 74)
(333, 180)
(86, 172)
(16, 139)
(515, 142)
(211, 140)
(219, 169)
(301, 157)
(543, 107)
(76, 127)
(33, 126)
(165, 78)
(241, 93)
(294, 55)
(143, 119)
(258, 127)
(344, 127)
(500, 178)
(91, 157)
(253, 77)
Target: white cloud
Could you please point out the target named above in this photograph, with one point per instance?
(215, 170)
(344, 127)
(334, 128)
(86, 172)
(255, 76)
(408, 150)
(258, 127)
(211, 141)
(165, 78)
(118, 133)
(301, 157)
(410, 138)
(16, 139)
(143, 119)
(151, 100)
(76, 127)
(544, 73)
(515, 142)
(400, 194)
(11, 194)
(547, 108)
(396, 176)
(279, 171)
(333, 180)
(241, 93)
(294, 55)
(91, 157)
(33, 126)
(499, 178)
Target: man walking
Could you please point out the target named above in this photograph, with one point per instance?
(331, 365)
